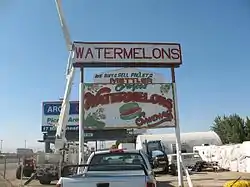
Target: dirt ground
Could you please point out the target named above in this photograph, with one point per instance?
(5, 182)
(201, 179)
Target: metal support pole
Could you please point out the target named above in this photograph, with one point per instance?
(81, 117)
(1, 146)
(4, 170)
(177, 130)
(21, 180)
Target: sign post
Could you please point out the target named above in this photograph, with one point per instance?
(81, 117)
(177, 130)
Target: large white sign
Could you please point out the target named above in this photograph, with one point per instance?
(129, 75)
(110, 106)
(158, 53)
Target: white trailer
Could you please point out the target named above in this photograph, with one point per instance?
(188, 141)
(126, 146)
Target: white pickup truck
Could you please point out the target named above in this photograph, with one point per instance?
(113, 168)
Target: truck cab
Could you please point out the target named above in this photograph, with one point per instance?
(157, 156)
(116, 168)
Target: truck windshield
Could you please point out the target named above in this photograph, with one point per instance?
(152, 146)
(157, 153)
(116, 161)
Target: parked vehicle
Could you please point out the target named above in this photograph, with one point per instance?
(160, 161)
(48, 164)
(116, 168)
(188, 140)
(28, 164)
(188, 159)
(157, 156)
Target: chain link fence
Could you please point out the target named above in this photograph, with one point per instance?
(12, 173)
(8, 166)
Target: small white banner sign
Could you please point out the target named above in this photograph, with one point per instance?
(129, 75)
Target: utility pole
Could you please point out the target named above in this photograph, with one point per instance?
(1, 150)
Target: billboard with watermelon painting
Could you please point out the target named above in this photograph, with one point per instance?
(109, 106)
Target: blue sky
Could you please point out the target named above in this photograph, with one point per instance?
(214, 36)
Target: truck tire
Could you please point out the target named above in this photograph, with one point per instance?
(18, 172)
(166, 170)
(199, 168)
(45, 180)
(173, 170)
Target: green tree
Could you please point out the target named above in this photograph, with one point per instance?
(247, 129)
(231, 129)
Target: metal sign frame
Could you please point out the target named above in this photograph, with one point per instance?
(71, 69)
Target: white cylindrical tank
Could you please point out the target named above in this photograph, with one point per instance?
(188, 139)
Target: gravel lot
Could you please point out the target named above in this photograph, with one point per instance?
(201, 179)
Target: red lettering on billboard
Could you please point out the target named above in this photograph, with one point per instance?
(131, 80)
(105, 97)
(155, 119)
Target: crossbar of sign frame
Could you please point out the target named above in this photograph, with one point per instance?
(123, 54)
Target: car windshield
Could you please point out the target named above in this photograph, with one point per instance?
(116, 161)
